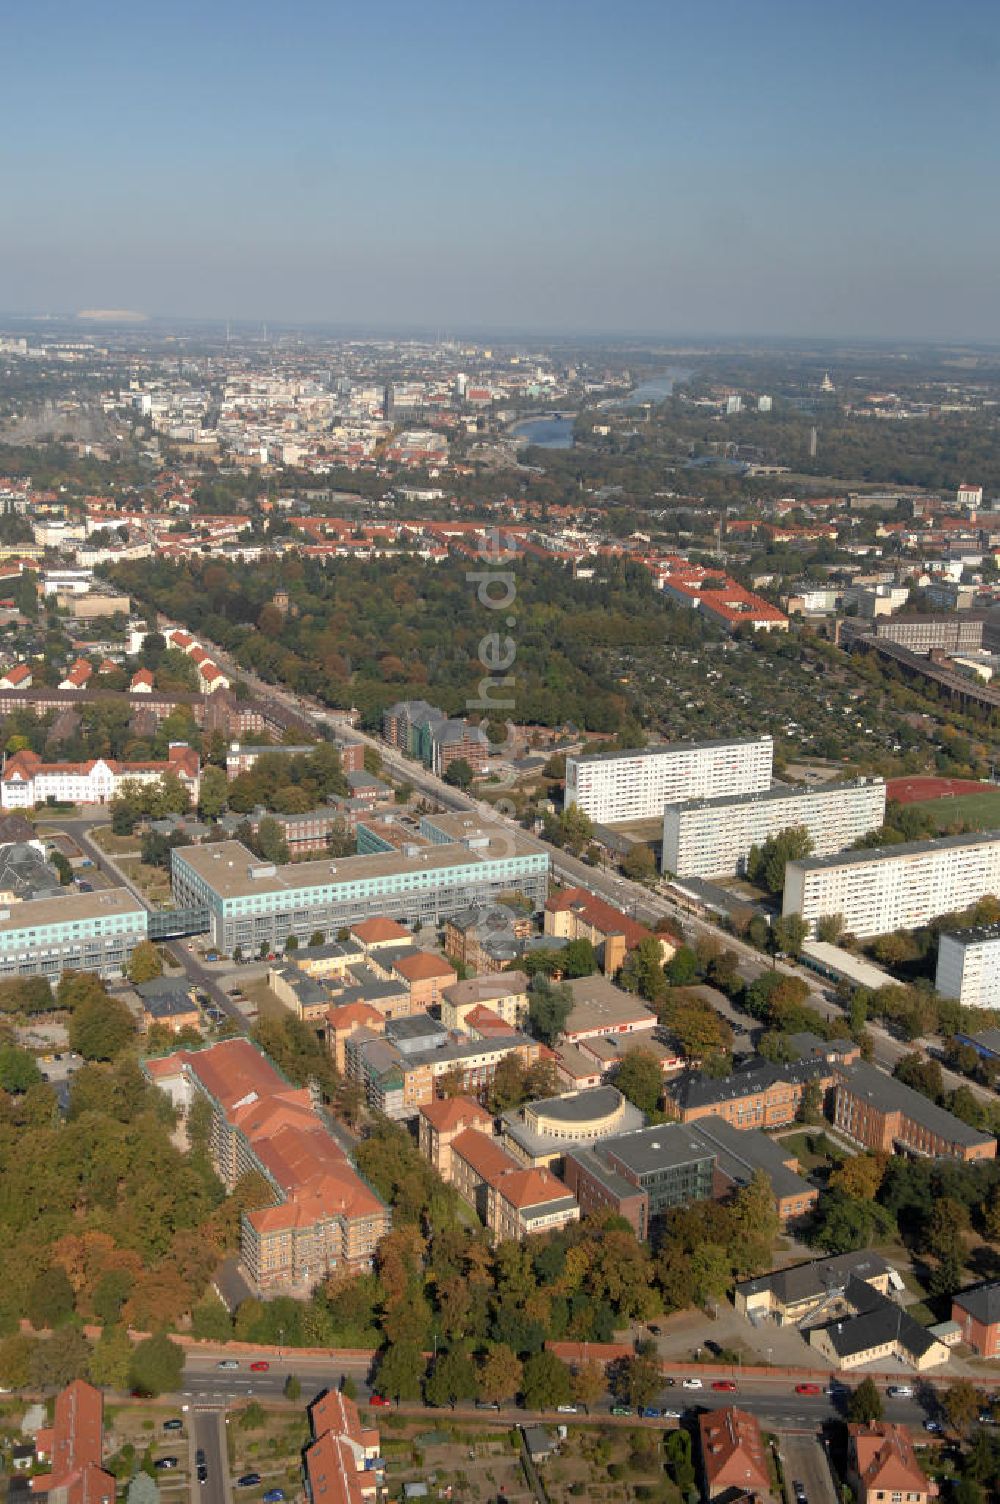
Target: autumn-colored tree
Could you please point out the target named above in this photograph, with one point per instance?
(500, 1373)
(860, 1176)
(588, 1384)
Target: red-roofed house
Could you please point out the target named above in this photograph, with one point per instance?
(18, 677)
(142, 682)
(342, 1464)
(372, 934)
(78, 676)
(528, 1201)
(426, 975)
(575, 914)
(439, 1124)
(75, 1444)
(325, 1217)
(883, 1467)
(733, 1458)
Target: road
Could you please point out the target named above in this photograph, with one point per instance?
(805, 1460)
(773, 1400)
(207, 1432)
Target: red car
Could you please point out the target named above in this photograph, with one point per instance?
(259, 1367)
(379, 1402)
(807, 1389)
(726, 1386)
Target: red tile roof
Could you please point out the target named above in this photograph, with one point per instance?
(375, 931)
(886, 1459)
(601, 915)
(448, 1113)
(423, 966)
(732, 1451)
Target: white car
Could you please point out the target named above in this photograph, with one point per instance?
(692, 1384)
(565, 1409)
(900, 1392)
(671, 1414)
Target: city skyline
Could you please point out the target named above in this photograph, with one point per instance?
(780, 173)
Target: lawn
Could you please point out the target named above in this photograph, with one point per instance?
(104, 837)
(153, 881)
(815, 1158)
(982, 809)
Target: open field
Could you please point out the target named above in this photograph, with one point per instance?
(921, 788)
(982, 809)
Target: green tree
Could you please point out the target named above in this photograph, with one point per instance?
(766, 864)
(711, 1272)
(452, 1378)
(145, 963)
(500, 1374)
(459, 773)
(58, 1359)
(865, 1404)
(640, 1079)
(546, 1382)
(50, 1298)
(400, 1371)
(269, 842)
(677, 1456)
(638, 864)
(640, 1380)
(111, 1359)
(142, 1489)
(18, 1070)
(213, 792)
(548, 1009)
(579, 959)
(790, 930)
(682, 968)
(810, 1108)
(157, 1365)
(100, 1028)
(643, 971)
(292, 1388)
(252, 1417)
(15, 1360)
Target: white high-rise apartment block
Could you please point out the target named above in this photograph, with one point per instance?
(713, 837)
(635, 785)
(895, 887)
(764, 403)
(968, 967)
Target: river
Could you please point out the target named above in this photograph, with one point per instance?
(553, 431)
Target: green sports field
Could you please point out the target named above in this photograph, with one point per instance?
(981, 810)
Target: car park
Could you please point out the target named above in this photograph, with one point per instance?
(807, 1389)
(692, 1384)
(248, 1480)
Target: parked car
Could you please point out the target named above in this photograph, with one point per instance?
(379, 1401)
(274, 1496)
(724, 1386)
(566, 1409)
(165, 1462)
(248, 1480)
(934, 1426)
(692, 1384)
(260, 1366)
(621, 1409)
(649, 1412)
(670, 1414)
(807, 1389)
(900, 1392)
(173, 1425)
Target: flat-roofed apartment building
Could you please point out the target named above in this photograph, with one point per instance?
(894, 887)
(75, 932)
(885, 1115)
(713, 837)
(636, 784)
(968, 966)
(922, 632)
(324, 1216)
(250, 902)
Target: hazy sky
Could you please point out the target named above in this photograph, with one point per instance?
(732, 166)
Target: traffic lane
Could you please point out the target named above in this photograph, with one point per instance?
(208, 1434)
(806, 1461)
